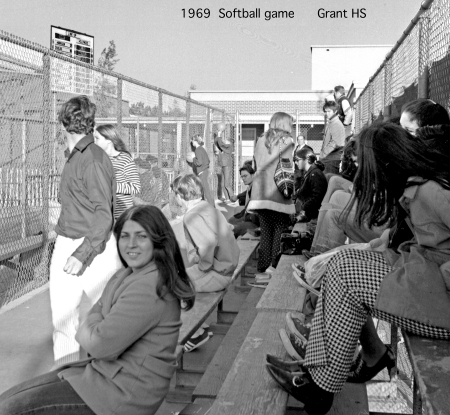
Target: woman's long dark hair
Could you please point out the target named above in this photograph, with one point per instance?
(348, 167)
(166, 252)
(388, 156)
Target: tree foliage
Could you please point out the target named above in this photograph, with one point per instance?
(108, 59)
(105, 89)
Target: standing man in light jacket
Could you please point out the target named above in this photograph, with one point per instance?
(85, 255)
(334, 139)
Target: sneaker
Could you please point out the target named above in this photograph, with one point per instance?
(194, 343)
(295, 347)
(258, 285)
(302, 281)
(263, 277)
(297, 328)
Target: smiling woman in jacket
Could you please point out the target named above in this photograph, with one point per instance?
(130, 335)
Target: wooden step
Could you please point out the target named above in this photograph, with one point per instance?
(217, 370)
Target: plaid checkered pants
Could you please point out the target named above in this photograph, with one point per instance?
(348, 294)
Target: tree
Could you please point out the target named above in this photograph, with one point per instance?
(107, 58)
(105, 89)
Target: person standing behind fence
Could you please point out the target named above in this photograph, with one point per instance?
(272, 207)
(224, 160)
(127, 177)
(85, 255)
(201, 167)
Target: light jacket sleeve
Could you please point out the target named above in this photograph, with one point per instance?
(205, 240)
(135, 312)
(337, 138)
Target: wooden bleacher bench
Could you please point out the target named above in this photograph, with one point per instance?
(248, 388)
(430, 359)
(206, 303)
(26, 249)
(217, 370)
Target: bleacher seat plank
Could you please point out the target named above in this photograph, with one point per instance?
(206, 303)
(248, 388)
(191, 320)
(217, 370)
(283, 291)
(247, 247)
(11, 249)
(430, 359)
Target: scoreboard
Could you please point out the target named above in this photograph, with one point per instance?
(67, 76)
(71, 43)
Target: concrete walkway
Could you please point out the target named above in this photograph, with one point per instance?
(25, 339)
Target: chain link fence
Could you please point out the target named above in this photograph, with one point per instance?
(155, 124)
(417, 67)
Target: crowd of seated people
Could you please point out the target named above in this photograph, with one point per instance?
(391, 190)
(403, 177)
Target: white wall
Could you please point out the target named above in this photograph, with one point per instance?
(344, 65)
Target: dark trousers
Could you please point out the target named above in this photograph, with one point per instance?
(207, 194)
(227, 190)
(46, 394)
(272, 224)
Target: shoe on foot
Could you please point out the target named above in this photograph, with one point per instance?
(299, 268)
(263, 277)
(302, 281)
(297, 328)
(303, 388)
(294, 366)
(194, 343)
(363, 373)
(258, 285)
(295, 347)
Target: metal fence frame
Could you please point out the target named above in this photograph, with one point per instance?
(28, 184)
(418, 66)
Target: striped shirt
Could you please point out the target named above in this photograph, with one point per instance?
(128, 181)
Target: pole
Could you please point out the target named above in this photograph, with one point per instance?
(137, 138)
(236, 152)
(160, 128)
(46, 121)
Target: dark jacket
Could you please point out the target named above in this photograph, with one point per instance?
(312, 191)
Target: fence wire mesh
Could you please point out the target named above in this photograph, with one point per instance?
(418, 68)
(155, 124)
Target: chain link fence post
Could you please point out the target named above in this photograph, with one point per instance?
(160, 127)
(424, 50)
(119, 105)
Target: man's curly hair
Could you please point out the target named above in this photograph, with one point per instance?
(78, 115)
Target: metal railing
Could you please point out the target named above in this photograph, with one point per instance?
(154, 123)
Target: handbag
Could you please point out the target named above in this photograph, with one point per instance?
(284, 176)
